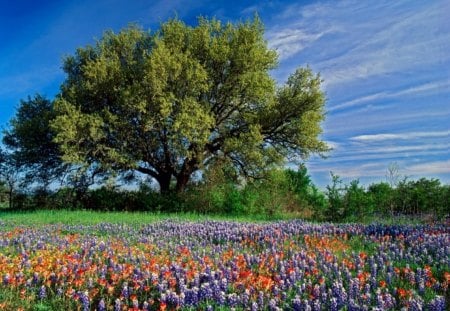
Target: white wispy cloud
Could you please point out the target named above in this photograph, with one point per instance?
(385, 70)
(379, 169)
(365, 45)
(392, 149)
(339, 160)
(356, 122)
(289, 41)
(422, 89)
(390, 136)
(354, 171)
(437, 167)
(332, 144)
(410, 39)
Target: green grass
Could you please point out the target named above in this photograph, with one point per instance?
(44, 217)
(83, 217)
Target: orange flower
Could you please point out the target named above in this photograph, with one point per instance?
(110, 290)
(264, 282)
(382, 283)
(102, 282)
(172, 282)
(401, 292)
(245, 274)
(447, 277)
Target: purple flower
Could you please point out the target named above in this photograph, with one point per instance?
(437, 304)
(84, 299)
(42, 292)
(101, 305)
(117, 305)
(6, 279)
(232, 300)
(125, 292)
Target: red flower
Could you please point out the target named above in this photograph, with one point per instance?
(401, 292)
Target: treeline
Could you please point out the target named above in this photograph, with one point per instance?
(353, 202)
(277, 194)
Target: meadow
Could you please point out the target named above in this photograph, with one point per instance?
(82, 260)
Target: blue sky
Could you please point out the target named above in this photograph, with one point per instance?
(385, 66)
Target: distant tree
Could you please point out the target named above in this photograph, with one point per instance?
(299, 181)
(168, 103)
(382, 197)
(422, 196)
(3, 188)
(334, 193)
(10, 176)
(30, 140)
(307, 193)
(357, 203)
(425, 195)
(445, 199)
(3, 193)
(393, 175)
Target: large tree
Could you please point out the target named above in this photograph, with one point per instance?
(168, 103)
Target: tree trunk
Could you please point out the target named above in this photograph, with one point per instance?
(189, 166)
(164, 183)
(182, 181)
(11, 193)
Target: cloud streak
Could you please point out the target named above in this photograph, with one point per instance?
(423, 89)
(437, 167)
(290, 41)
(401, 136)
(408, 40)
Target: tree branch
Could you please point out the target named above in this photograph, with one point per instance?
(148, 171)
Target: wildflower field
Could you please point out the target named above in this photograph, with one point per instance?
(224, 265)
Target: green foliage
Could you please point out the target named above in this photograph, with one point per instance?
(306, 193)
(30, 139)
(422, 196)
(335, 210)
(10, 177)
(357, 204)
(382, 196)
(168, 103)
(425, 198)
(112, 199)
(279, 192)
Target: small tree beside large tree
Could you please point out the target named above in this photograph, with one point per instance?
(169, 103)
(31, 142)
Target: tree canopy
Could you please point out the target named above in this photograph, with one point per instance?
(30, 139)
(170, 102)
